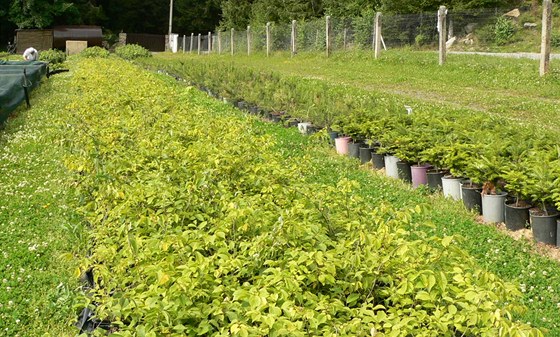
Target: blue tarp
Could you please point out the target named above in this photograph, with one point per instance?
(17, 79)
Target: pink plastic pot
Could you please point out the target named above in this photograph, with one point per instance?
(419, 175)
(341, 145)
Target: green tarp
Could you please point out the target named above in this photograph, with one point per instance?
(17, 77)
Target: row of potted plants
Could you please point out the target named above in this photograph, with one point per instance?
(496, 154)
(496, 199)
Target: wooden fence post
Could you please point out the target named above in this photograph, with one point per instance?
(267, 39)
(199, 42)
(192, 43)
(209, 42)
(184, 42)
(344, 36)
(545, 39)
(248, 40)
(219, 43)
(442, 14)
(294, 50)
(231, 42)
(327, 34)
(377, 50)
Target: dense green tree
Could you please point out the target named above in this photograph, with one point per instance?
(235, 13)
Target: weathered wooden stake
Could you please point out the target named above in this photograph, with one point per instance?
(231, 41)
(199, 42)
(192, 43)
(219, 43)
(294, 50)
(442, 14)
(328, 34)
(545, 39)
(377, 43)
(184, 43)
(209, 42)
(248, 40)
(267, 39)
(344, 38)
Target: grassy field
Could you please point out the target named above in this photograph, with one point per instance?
(41, 232)
(507, 87)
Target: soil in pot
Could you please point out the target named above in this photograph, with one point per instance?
(517, 214)
(470, 194)
(404, 171)
(543, 226)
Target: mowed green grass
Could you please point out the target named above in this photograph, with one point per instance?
(39, 231)
(481, 84)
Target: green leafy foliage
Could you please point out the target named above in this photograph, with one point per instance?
(132, 51)
(199, 229)
(504, 30)
(52, 56)
(95, 52)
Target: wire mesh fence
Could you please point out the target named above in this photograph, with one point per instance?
(474, 27)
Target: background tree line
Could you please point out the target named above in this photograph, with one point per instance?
(201, 15)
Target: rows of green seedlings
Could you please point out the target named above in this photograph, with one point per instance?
(488, 149)
(198, 228)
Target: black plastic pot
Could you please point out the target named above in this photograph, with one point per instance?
(293, 123)
(516, 217)
(275, 118)
(471, 197)
(365, 154)
(404, 171)
(434, 179)
(378, 160)
(544, 227)
(332, 136)
(354, 150)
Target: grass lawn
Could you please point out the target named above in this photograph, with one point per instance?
(38, 228)
(508, 87)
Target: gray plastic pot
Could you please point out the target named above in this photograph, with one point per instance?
(493, 207)
(451, 187)
(391, 169)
